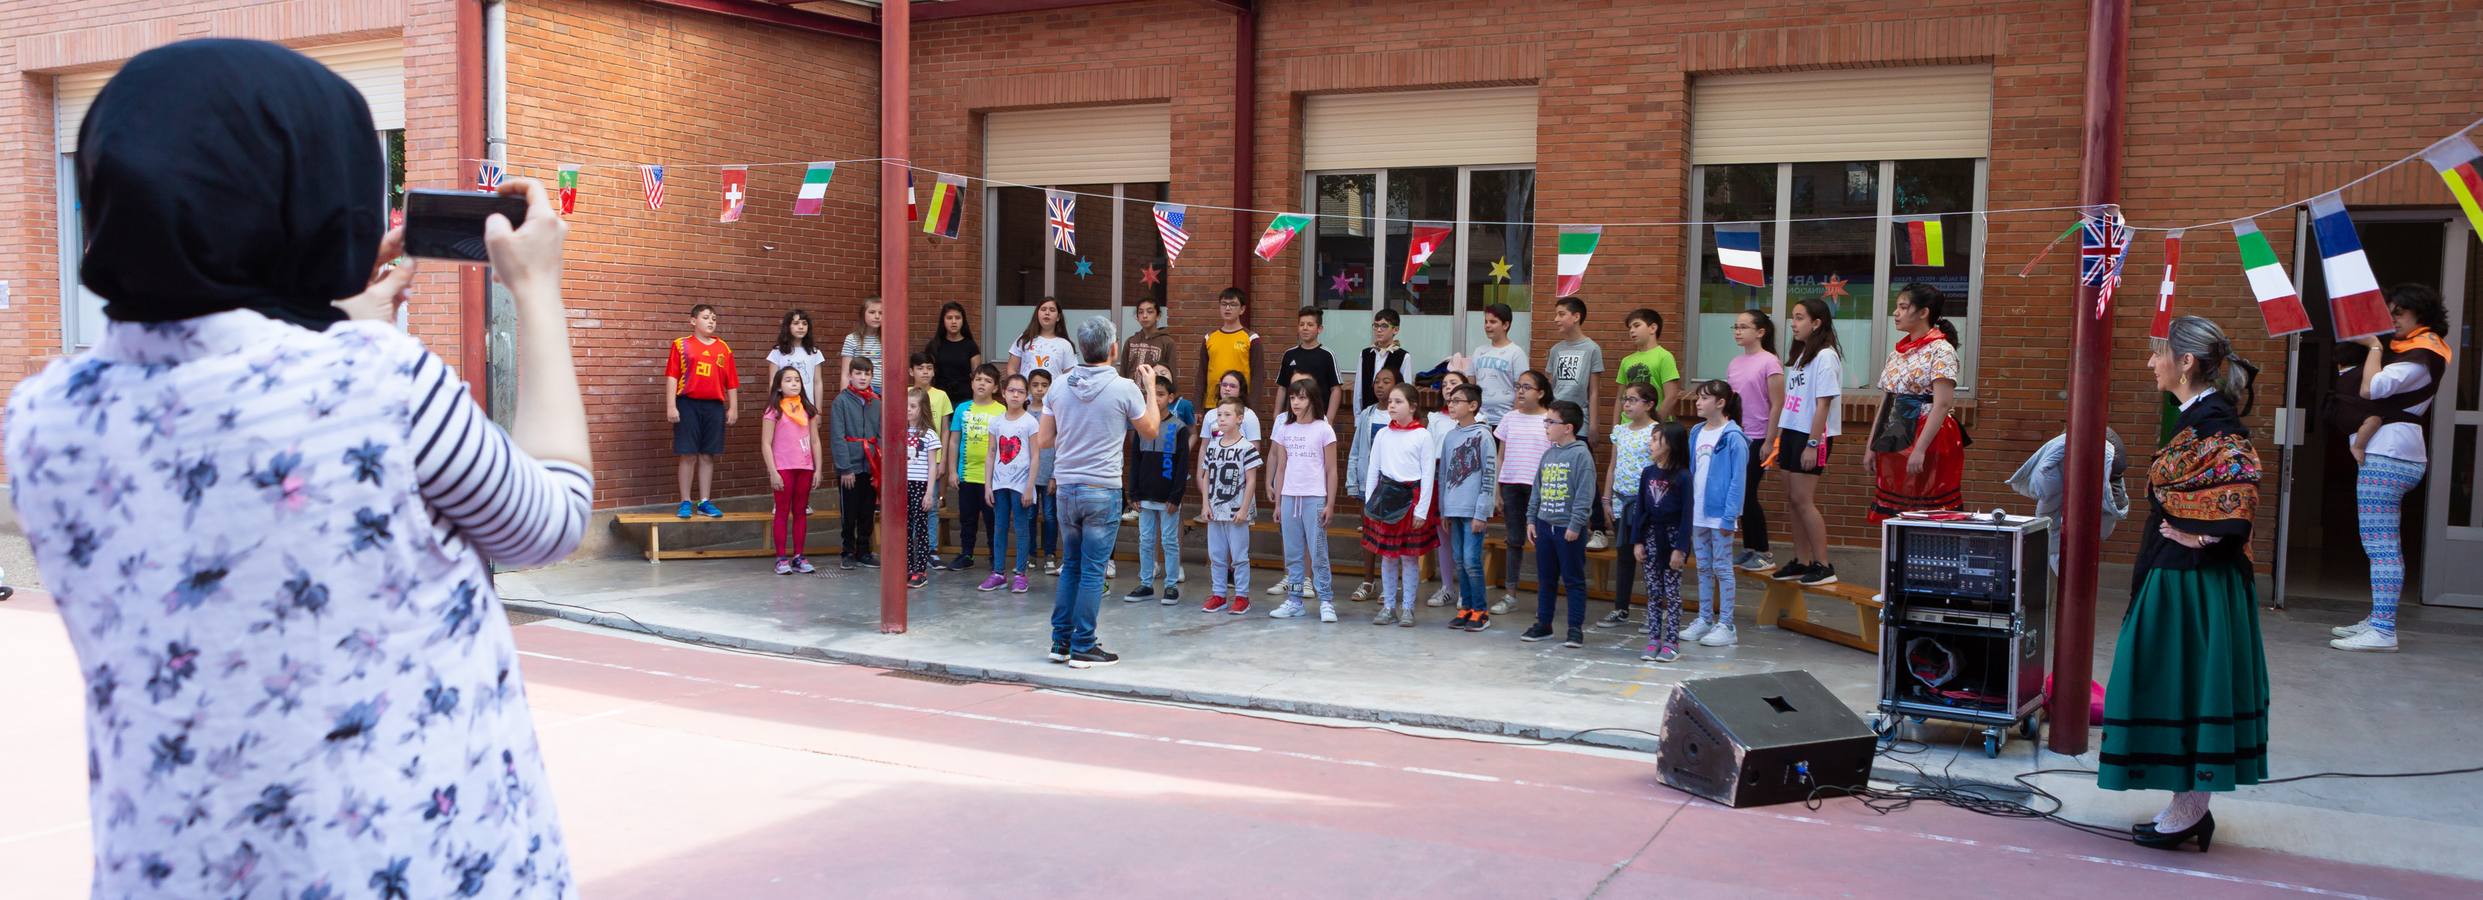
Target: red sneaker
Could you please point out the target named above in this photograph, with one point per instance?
(1241, 605)
(1214, 604)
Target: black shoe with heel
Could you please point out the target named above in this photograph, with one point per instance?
(2205, 831)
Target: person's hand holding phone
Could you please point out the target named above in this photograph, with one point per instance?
(527, 257)
(389, 278)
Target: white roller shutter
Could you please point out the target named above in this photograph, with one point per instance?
(1926, 112)
(1080, 145)
(377, 68)
(1478, 127)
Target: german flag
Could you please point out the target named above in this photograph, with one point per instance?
(946, 208)
(1921, 241)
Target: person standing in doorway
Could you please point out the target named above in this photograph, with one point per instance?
(2399, 377)
(1085, 423)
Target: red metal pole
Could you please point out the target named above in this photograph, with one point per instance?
(895, 127)
(473, 292)
(1245, 139)
(2090, 377)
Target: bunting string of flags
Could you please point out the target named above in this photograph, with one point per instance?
(2105, 236)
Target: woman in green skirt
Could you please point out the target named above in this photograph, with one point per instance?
(2187, 709)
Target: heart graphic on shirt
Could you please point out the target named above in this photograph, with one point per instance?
(1007, 446)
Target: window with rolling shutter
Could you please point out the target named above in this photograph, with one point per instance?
(1079, 145)
(1403, 129)
(1925, 112)
(377, 68)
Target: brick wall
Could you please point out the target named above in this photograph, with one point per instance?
(610, 84)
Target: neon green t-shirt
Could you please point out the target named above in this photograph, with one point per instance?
(973, 426)
(1653, 365)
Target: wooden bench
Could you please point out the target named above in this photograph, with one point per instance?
(657, 522)
(1783, 604)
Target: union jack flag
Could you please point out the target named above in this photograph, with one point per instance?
(487, 175)
(2103, 246)
(1060, 222)
(1168, 218)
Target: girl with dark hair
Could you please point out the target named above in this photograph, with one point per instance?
(1806, 431)
(954, 354)
(1632, 447)
(794, 350)
(1918, 458)
(1400, 507)
(2398, 379)
(1662, 516)
(2188, 710)
(1758, 378)
(1301, 484)
(1522, 442)
(1719, 455)
(1044, 344)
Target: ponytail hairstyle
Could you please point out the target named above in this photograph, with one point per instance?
(1543, 383)
(1933, 303)
(1643, 391)
(1766, 327)
(2212, 355)
(2424, 303)
(1676, 455)
(1718, 389)
(1822, 337)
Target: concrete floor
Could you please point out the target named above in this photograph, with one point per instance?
(2409, 711)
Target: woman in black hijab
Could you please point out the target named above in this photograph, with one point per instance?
(270, 529)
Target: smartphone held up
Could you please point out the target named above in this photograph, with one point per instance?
(448, 224)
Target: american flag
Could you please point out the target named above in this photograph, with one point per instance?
(2103, 246)
(653, 177)
(487, 175)
(1168, 217)
(1061, 220)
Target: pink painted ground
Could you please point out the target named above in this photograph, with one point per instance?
(690, 773)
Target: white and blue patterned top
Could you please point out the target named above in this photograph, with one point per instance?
(270, 547)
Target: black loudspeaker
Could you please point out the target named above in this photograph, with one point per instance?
(1753, 740)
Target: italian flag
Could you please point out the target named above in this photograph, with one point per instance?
(1280, 233)
(2278, 304)
(814, 194)
(1577, 246)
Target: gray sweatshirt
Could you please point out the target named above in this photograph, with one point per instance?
(1469, 472)
(1564, 487)
(851, 421)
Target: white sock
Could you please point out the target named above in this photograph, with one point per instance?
(2187, 808)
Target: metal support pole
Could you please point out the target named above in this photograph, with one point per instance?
(2090, 375)
(895, 127)
(1245, 141)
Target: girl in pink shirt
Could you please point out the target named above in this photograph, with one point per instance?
(787, 435)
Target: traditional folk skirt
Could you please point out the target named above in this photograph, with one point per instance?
(2187, 706)
(1403, 537)
(1939, 487)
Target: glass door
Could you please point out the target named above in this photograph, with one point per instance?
(2452, 570)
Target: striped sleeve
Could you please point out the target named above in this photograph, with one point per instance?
(516, 510)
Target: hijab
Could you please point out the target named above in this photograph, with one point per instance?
(227, 174)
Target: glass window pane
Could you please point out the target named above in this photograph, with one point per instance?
(1092, 290)
(1142, 250)
(1428, 197)
(1834, 261)
(1946, 187)
(1019, 254)
(1733, 194)
(1499, 258)
(1341, 241)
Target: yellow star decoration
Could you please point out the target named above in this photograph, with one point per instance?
(1500, 270)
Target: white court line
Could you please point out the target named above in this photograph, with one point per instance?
(47, 832)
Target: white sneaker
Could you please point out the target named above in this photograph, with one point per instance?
(1502, 606)
(1438, 597)
(1279, 588)
(2371, 641)
(1130, 516)
(1051, 567)
(1292, 609)
(1600, 540)
(1755, 561)
(2346, 631)
(1719, 636)
(1111, 569)
(1363, 593)
(1327, 613)
(1697, 629)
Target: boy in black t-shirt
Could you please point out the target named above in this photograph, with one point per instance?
(1308, 358)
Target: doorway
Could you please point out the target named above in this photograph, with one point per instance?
(2322, 552)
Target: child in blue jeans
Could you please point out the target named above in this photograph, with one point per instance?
(1719, 457)
(1660, 515)
(1047, 515)
(1469, 482)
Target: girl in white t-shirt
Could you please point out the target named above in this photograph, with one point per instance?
(864, 342)
(1806, 431)
(1044, 344)
(1301, 481)
(795, 351)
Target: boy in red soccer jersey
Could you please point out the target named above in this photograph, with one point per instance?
(701, 388)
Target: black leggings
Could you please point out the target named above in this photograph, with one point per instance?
(1754, 513)
(974, 516)
(860, 513)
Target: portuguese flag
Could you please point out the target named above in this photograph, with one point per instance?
(1280, 233)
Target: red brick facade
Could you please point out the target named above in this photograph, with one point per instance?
(2232, 108)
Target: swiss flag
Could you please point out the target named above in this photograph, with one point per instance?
(736, 191)
(1418, 249)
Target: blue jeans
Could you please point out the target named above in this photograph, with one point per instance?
(1298, 519)
(1047, 511)
(1013, 528)
(1468, 550)
(1090, 520)
(1158, 528)
(1558, 557)
(1714, 548)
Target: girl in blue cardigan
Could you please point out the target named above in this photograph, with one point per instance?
(1660, 515)
(1719, 455)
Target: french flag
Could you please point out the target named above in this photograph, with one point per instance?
(1737, 252)
(2353, 294)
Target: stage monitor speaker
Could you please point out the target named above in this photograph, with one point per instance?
(1753, 740)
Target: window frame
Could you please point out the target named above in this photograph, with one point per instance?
(1350, 346)
(1122, 310)
(1780, 248)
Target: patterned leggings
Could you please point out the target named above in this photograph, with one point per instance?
(1663, 599)
(2379, 493)
(917, 529)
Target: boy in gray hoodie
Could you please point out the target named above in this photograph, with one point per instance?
(853, 443)
(1563, 501)
(1469, 485)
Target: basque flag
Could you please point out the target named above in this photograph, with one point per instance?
(2353, 294)
(1737, 252)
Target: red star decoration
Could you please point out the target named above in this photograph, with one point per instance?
(1150, 275)
(1833, 288)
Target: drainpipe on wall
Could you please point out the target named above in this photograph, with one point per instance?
(500, 311)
